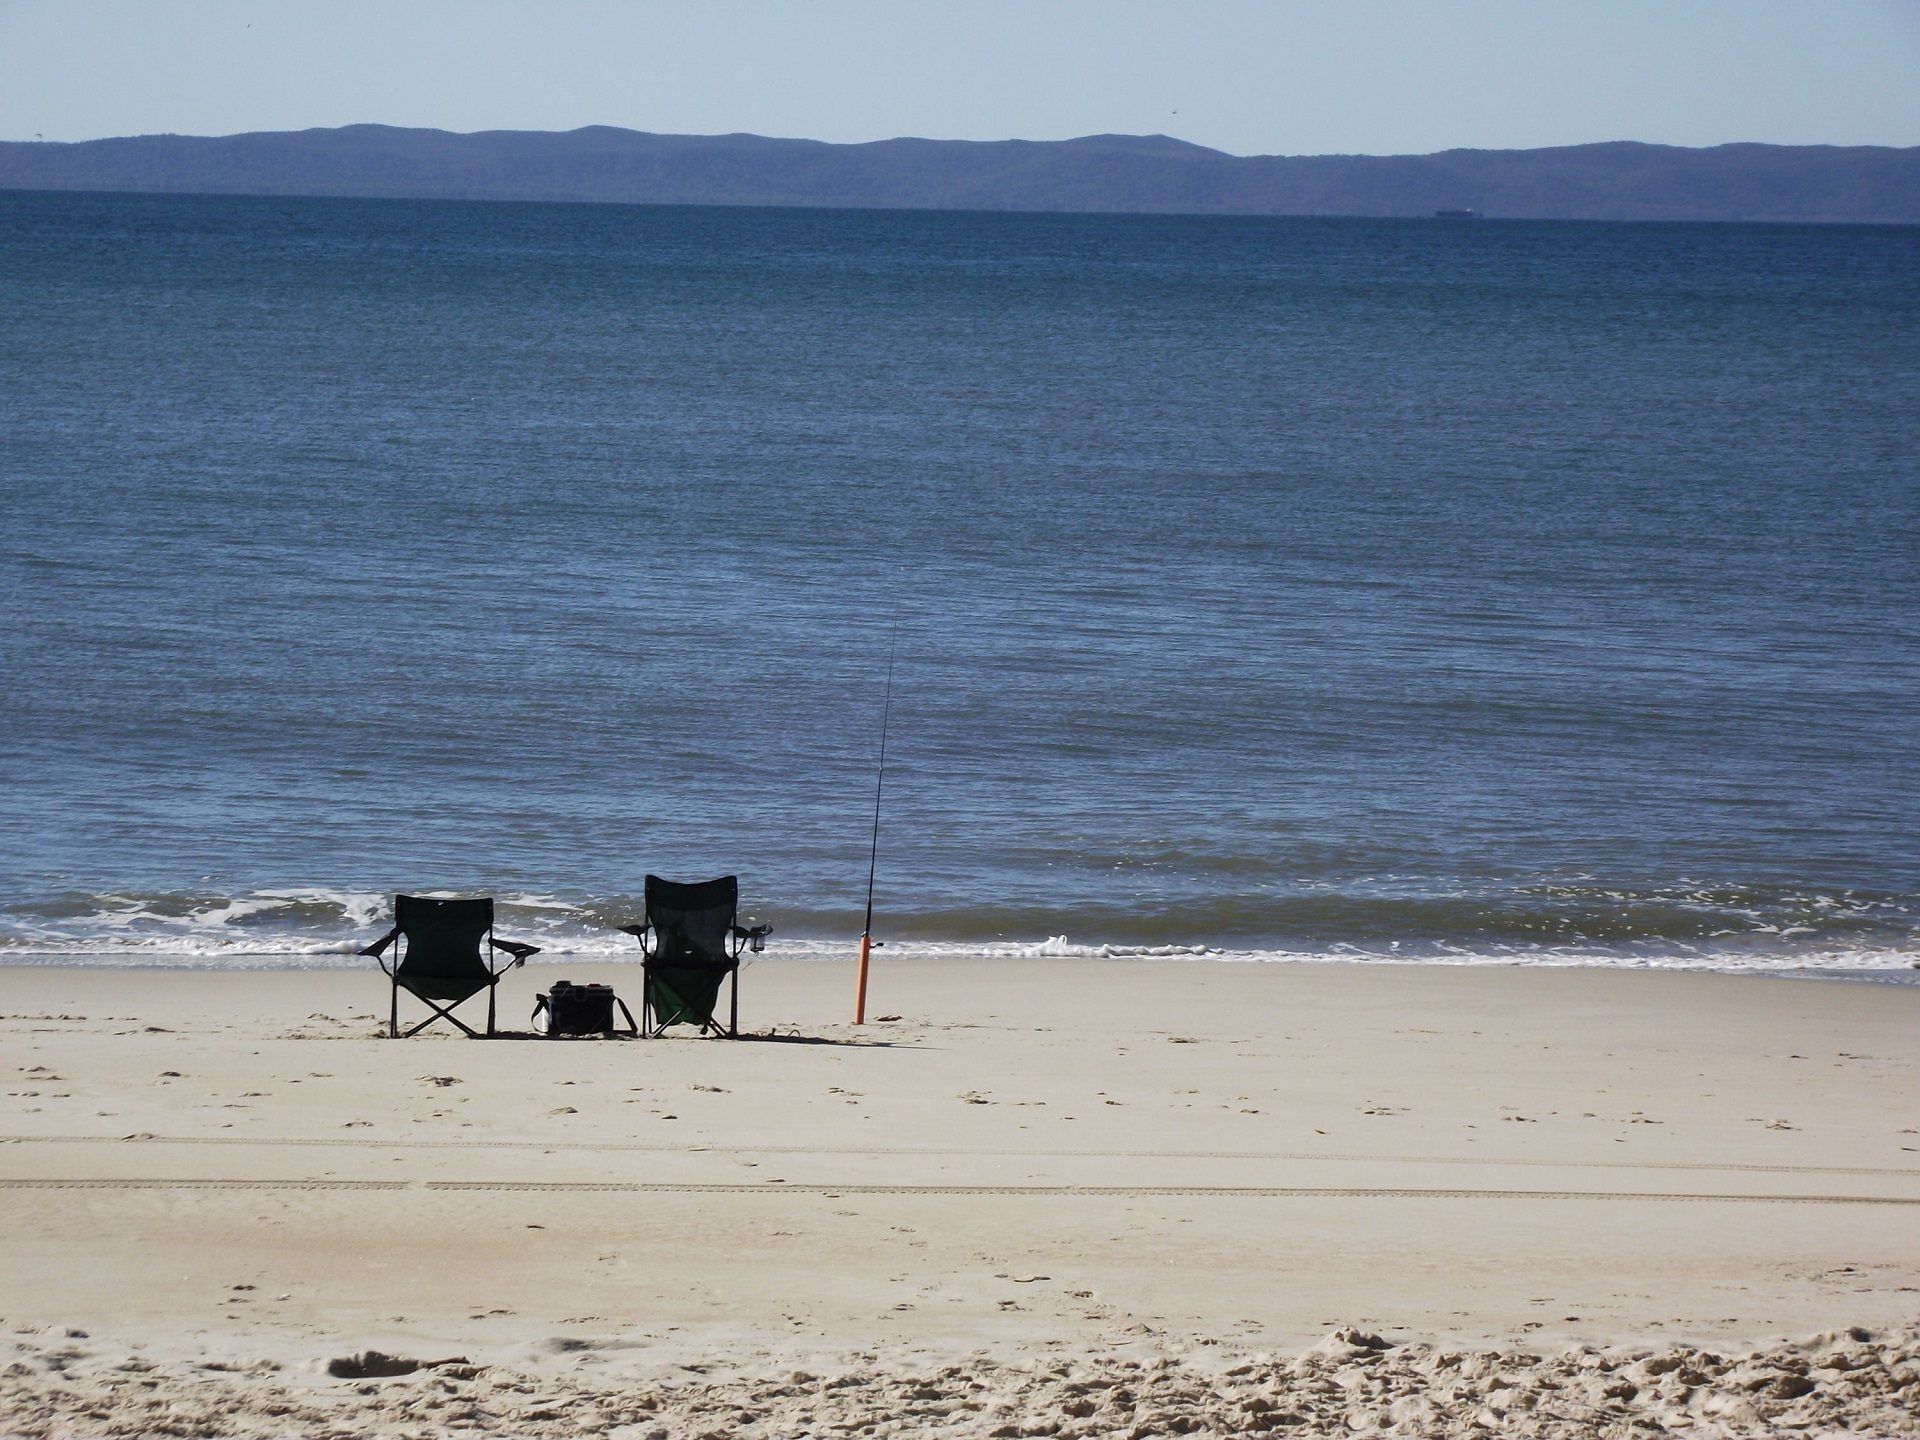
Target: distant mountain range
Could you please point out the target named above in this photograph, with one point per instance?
(1101, 173)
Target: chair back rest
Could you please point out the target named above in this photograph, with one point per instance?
(443, 937)
(692, 923)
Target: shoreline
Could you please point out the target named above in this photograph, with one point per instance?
(1902, 968)
(1034, 1173)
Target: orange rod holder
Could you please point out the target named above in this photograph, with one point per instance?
(860, 984)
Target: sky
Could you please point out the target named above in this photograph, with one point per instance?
(1244, 76)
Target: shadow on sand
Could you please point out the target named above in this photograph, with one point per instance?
(770, 1037)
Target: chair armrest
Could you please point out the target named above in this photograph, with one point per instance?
(753, 935)
(515, 948)
(379, 947)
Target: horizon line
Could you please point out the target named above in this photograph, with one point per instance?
(936, 140)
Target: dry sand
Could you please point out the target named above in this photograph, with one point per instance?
(1051, 1197)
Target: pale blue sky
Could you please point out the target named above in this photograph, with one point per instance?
(1309, 77)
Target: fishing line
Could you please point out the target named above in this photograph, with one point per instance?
(867, 942)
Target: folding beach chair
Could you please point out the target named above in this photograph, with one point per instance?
(691, 942)
(440, 959)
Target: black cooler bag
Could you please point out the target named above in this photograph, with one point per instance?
(581, 1010)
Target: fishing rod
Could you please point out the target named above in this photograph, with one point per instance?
(867, 942)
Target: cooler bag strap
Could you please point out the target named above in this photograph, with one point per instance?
(539, 1009)
(632, 1029)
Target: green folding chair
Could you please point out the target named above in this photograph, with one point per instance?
(691, 944)
(445, 956)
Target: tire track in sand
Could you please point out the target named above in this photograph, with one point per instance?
(1135, 1192)
(144, 1183)
(643, 1147)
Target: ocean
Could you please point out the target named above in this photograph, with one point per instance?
(1317, 589)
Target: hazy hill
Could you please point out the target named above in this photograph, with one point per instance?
(1153, 173)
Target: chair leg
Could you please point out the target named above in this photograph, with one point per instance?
(492, 991)
(733, 1012)
(440, 1013)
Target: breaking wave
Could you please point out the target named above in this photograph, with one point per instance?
(1721, 928)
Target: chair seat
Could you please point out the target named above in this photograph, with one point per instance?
(450, 989)
(685, 994)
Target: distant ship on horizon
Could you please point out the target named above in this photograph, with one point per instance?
(1457, 215)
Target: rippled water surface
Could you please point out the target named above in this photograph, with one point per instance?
(1463, 590)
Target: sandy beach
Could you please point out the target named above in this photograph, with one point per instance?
(1035, 1197)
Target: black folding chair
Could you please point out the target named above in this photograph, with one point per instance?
(690, 943)
(440, 959)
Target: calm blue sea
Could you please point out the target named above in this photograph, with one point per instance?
(1460, 590)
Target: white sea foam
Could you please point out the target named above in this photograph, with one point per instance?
(1059, 945)
(327, 927)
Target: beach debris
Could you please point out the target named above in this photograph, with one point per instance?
(1348, 1343)
(370, 1365)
